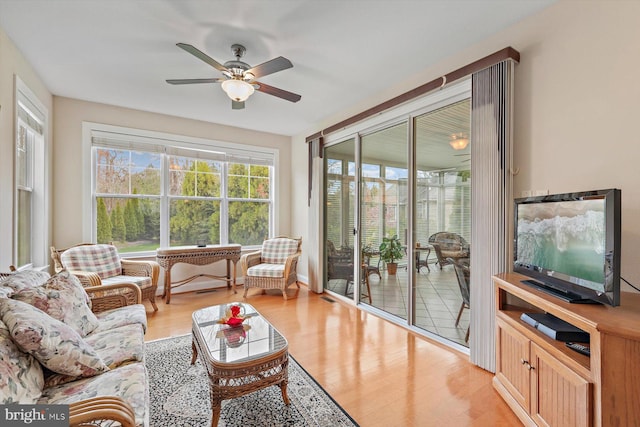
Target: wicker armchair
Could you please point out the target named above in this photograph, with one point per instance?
(99, 265)
(463, 274)
(449, 245)
(273, 267)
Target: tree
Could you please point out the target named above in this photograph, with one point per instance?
(119, 230)
(130, 222)
(248, 220)
(104, 223)
(194, 219)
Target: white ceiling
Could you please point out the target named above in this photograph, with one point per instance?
(120, 52)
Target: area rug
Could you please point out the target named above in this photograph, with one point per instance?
(179, 395)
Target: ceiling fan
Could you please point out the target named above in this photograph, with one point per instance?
(239, 77)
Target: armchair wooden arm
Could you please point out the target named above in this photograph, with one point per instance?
(107, 297)
(249, 260)
(91, 412)
(291, 264)
(88, 279)
(140, 268)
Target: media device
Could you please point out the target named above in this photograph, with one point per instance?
(569, 244)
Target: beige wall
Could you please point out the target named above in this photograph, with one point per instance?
(67, 174)
(12, 63)
(577, 97)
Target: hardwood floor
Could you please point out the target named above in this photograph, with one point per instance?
(381, 374)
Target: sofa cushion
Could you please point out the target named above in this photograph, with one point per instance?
(23, 279)
(119, 346)
(21, 379)
(128, 315)
(100, 259)
(62, 297)
(266, 270)
(276, 251)
(57, 346)
(129, 382)
(116, 347)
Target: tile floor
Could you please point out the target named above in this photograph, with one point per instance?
(438, 299)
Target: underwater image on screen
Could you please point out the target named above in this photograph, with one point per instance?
(564, 237)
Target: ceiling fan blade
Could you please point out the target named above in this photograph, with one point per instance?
(277, 64)
(235, 105)
(192, 81)
(202, 56)
(280, 93)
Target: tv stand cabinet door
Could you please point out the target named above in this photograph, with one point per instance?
(512, 362)
(559, 396)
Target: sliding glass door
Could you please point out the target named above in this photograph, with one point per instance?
(339, 215)
(442, 221)
(384, 211)
(407, 181)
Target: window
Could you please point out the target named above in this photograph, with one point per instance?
(443, 203)
(30, 236)
(154, 190)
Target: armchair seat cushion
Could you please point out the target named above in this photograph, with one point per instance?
(266, 270)
(128, 382)
(457, 253)
(141, 281)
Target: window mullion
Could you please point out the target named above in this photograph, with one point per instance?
(224, 205)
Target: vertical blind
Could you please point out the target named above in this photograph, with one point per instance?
(491, 127)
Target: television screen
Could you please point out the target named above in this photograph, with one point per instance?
(571, 242)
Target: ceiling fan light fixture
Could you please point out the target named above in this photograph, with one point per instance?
(459, 142)
(237, 90)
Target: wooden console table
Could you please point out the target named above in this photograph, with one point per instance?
(168, 257)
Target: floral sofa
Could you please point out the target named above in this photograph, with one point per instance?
(55, 350)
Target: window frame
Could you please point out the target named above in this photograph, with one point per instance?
(39, 188)
(181, 146)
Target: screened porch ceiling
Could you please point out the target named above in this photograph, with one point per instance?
(434, 130)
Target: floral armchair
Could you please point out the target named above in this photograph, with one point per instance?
(100, 264)
(273, 267)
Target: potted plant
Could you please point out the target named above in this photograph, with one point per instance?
(390, 251)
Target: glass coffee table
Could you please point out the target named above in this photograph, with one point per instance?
(239, 360)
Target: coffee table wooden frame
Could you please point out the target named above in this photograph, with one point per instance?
(231, 380)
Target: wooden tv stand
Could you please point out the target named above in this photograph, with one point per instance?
(546, 383)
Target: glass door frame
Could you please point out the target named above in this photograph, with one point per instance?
(407, 112)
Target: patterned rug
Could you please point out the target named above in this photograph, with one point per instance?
(179, 395)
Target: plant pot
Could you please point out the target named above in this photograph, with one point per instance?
(392, 268)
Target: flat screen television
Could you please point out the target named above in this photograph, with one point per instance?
(569, 244)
